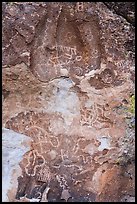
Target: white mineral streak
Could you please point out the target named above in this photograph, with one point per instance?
(44, 195)
(105, 143)
(64, 101)
(64, 72)
(14, 146)
(25, 54)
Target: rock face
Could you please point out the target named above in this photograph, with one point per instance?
(14, 146)
(68, 44)
(69, 74)
(125, 9)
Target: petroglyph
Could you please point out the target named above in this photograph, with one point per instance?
(48, 148)
(44, 175)
(68, 153)
(95, 117)
(75, 120)
(33, 158)
(63, 57)
(80, 6)
(67, 44)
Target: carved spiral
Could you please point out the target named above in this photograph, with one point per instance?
(78, 71)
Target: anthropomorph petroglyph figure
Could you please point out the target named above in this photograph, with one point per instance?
(67, 39)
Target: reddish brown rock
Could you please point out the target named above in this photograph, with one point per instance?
(74, 105)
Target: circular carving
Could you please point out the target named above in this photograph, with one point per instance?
(77, 71)
(107, 76)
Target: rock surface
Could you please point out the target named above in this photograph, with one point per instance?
(68, 71)
(14, 146)
(125, 9)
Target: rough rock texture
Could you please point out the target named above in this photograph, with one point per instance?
(14, 146)
(125, 9)
(68, 71)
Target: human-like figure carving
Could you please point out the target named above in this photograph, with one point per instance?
(68, 39)
(33, 164)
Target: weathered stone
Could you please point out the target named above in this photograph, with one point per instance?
(19, 23)
(125, 9)
(77, 110)
(14, 146)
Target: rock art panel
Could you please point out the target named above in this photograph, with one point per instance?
(65, 152)
(73, 95)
